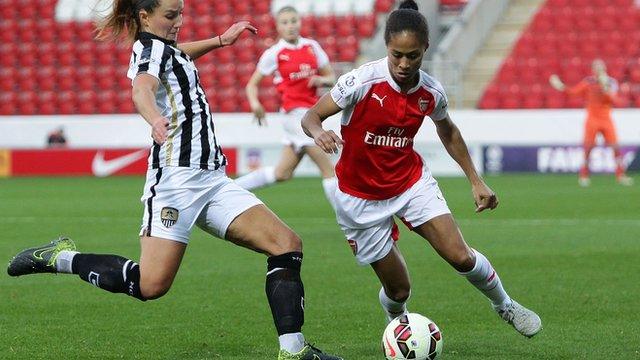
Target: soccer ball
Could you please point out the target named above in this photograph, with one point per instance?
(412, 336)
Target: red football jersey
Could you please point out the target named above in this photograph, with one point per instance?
(378, 126)
(599, 102)
(292, 66)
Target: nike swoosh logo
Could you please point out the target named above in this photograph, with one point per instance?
(102, 167)
(38, 253)
(392, 352)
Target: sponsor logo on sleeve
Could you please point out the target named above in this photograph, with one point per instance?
(350, 81)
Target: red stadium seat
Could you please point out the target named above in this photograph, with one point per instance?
(7, 79)
(47, 103)
(107, 102)
(27, 103)
(65, 79)
(46, 78)
(325, 26)
(383, 5)
(26, 79)
(366, 25)
(261, 6)
(66, 102)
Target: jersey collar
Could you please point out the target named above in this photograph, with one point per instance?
(143, 35)
(287, 45)
(393, 83)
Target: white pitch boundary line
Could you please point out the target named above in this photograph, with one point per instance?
(328, 220)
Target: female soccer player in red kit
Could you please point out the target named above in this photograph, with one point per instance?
(600, 92)
(299, 66)
(383, 104)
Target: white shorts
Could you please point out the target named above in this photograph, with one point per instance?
(176, 198)
(293, 133)
(368, 224)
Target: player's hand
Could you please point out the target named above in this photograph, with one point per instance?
(315, 81)
(484, 197)
(259, 114)
(159, 130)
(328, 141)
(234, 31)
(556, 83)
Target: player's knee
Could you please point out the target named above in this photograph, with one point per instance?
(287, 241)
(283, 175)
(399, 294)
(154, 289)
(463, 260)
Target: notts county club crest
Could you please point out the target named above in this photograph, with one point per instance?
(423, 104)
(169, 216)
(354, 246)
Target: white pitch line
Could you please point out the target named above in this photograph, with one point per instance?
(331, 220)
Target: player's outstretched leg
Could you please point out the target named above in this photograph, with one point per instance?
(40, 259)
(109, 272)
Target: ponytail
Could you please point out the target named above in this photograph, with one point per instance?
(124, 18)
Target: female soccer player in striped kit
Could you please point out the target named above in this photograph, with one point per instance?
(380, 175)
(300, 66)
(186, 181)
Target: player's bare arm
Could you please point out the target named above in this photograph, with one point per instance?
(452, 140)
(326, 77)
(196, 49)
(328, 141)
(143, 96)
(556, 83)
(251, 90)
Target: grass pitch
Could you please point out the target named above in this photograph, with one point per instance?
(569, 253)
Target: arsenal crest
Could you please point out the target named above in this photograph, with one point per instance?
(423, 104)
(169, 216)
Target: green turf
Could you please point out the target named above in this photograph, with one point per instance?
(570, 253)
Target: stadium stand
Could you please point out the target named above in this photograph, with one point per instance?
(52, 65)
(564, 38)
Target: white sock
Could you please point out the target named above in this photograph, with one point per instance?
(392, 308)
(292, 342)
(64, 260)
(330, 185)
(259, 178)
(486, 279)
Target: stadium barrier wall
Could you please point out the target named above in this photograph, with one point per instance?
(499, 141)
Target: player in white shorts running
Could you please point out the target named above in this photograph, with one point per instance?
(299, 66)
(186, 182)
(380, 175)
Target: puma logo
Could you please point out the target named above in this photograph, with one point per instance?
(375, 96)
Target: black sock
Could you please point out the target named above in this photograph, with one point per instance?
(285, 292)
(109, 272)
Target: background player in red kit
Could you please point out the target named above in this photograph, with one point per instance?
(599, 91)
(383, 104)
(300, 66)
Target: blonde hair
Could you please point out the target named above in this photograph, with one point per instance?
(124, 19)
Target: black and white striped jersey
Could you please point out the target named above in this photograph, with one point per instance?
(191, 138)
